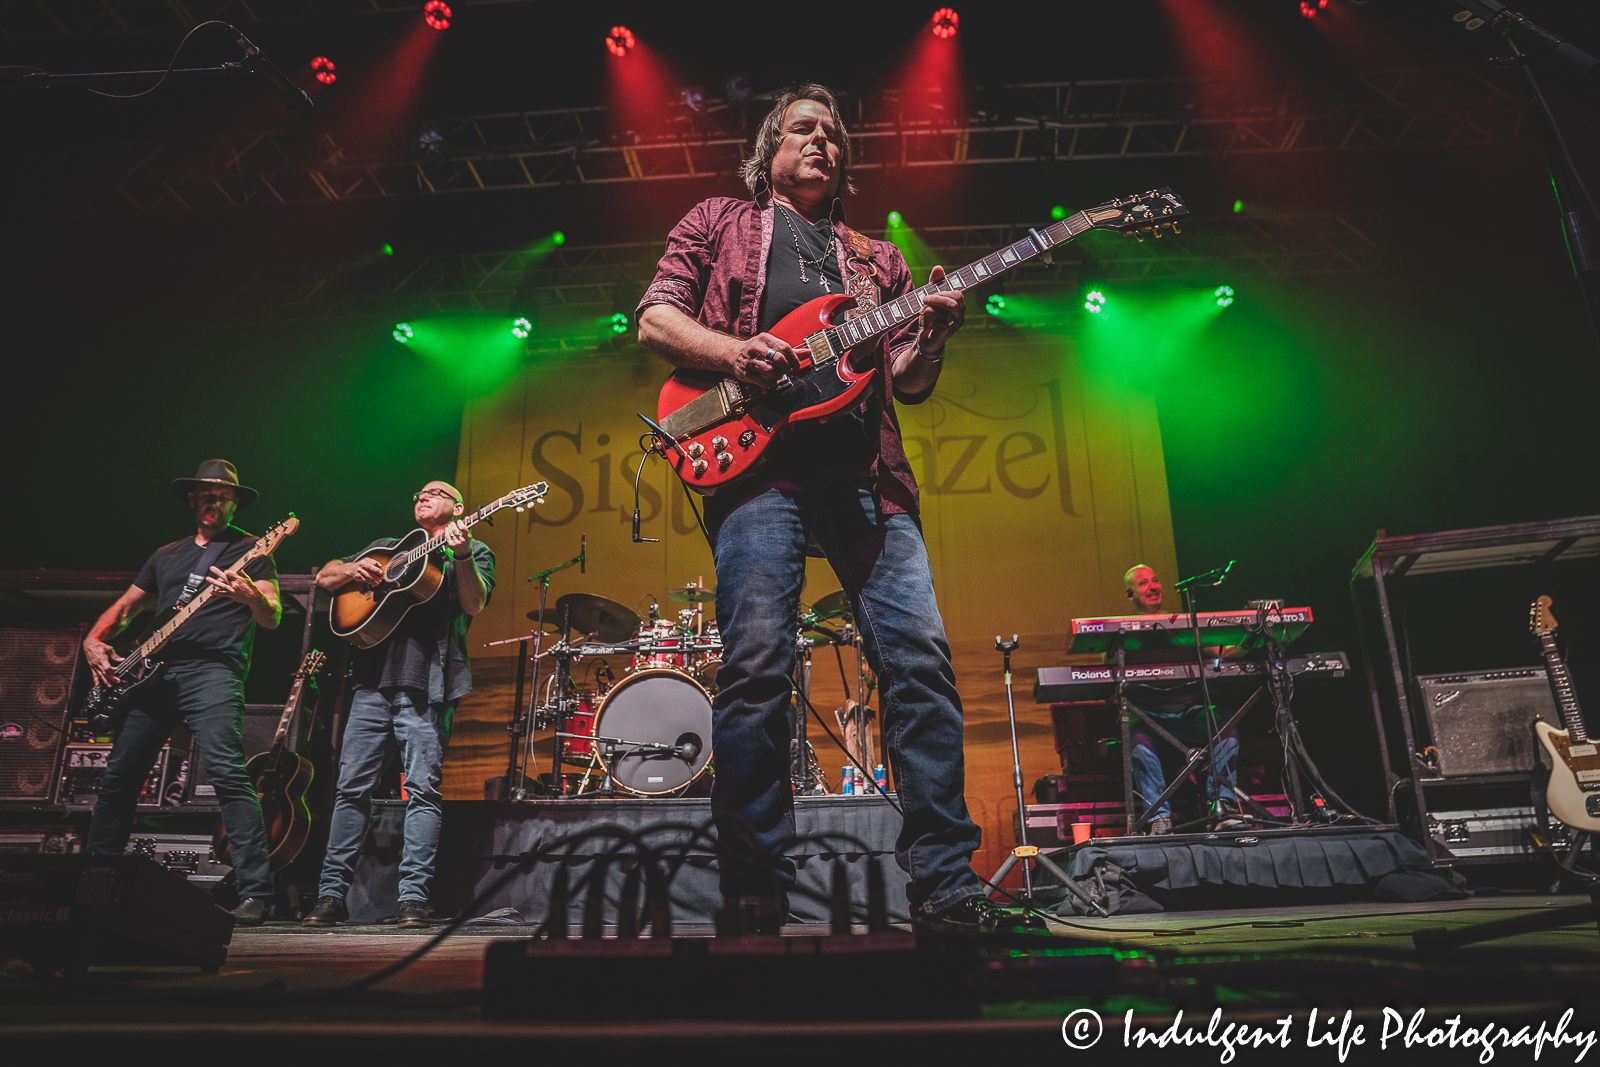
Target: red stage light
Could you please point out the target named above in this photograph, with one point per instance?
(1309, 8)
(945, 21)
(437, 13)
(619, 42)
(322, 67)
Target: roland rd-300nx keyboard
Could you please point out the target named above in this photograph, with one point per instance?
(1221, 628)
(1065, 685)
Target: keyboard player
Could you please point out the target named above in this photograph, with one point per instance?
(1180, 715)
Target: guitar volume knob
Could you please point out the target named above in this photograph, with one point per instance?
(719, 443)
(699, 466)
(695, 449)
(724, 460)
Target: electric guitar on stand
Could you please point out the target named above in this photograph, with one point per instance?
(1573, 794)
(717, 427)
(281, 779)
(365, 614)
(107, 705)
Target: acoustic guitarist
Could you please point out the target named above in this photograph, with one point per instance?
(203, 681)
(843, 488)
(406, 690)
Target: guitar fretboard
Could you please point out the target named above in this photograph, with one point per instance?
(1561, 687)
(909, 306)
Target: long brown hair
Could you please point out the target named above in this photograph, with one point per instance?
(758, 167)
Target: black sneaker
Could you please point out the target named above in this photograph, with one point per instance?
(973, 915)
(414, 915)
(330, 911)
(251, 911)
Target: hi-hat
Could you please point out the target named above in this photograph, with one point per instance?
(692, 594)
(607, 620)
(834, 605)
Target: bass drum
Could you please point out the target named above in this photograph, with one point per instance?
(661, 706)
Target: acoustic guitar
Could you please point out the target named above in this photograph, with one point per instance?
(1573, 794)
(107, 705)
(281, 779)
(718, 428)
(365, 614)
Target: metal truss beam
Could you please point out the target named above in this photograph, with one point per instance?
(1058, 122)
(71, 19)
(576, 284)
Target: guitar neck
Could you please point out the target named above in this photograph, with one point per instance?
(157, 640)
(436, 542)
(279, 738)
(1561, 687)
(903, 309)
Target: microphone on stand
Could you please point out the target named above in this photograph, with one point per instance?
(687, 747)
(293, 96)
(583, 555)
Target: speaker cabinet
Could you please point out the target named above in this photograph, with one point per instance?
(38, 670)
(260, 726)
(1482, 721)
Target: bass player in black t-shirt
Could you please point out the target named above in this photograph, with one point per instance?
(406, 690)
(203, 681)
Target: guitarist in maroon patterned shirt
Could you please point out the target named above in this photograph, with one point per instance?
(840, 488)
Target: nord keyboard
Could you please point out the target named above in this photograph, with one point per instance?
(1064, 685)
(1223, 628)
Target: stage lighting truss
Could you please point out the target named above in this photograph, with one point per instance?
(1309, 8)
(322, 67)
(1095, 302)
(437, 13)
(995, 304)
(1224, 295)
(521, 328)
(403, 333)
(946, 21)
(619, 42)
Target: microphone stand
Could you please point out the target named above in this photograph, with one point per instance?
(522, 720)
(1210, 579)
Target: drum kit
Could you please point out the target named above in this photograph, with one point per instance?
(649, 733)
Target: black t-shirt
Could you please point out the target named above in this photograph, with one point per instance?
(223, 630)
(428, 650)
(811, 452)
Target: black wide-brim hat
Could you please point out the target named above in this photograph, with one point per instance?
(215, 472)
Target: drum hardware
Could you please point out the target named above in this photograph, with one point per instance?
(693, 593)
(520, 727)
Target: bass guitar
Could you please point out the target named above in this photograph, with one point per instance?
(365, 614)
(1573, 794)
(281, 779)
(107, 704)
(718, 427)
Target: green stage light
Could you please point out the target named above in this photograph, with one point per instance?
(995, 304)
(521, 328)
(619, 323)
(403, 333)
(388, 250)
(1238, 206)
(1058, 212)
(558, 238)
(894, 218)
(1224, 295)
(1095, 302)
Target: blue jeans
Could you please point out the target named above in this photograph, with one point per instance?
(1188, 726)
(209, 697)
(882, 564)
(381, 727)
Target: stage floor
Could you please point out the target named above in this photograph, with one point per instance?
(278, 993)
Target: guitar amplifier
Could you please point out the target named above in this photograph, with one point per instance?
(38, 670)
(83, 767)
(1481, 722)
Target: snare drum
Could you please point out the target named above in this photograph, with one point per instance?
(661, 644)
(664, 707)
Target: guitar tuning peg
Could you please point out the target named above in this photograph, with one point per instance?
(1156, 232)
(1174, 226)
(1138, 238)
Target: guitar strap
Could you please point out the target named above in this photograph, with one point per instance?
(208, 559)
(861, 272)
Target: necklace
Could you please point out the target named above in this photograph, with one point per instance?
(822, 279)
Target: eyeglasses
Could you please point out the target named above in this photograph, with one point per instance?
(417, 498)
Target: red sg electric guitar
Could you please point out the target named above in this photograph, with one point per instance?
(719, 427)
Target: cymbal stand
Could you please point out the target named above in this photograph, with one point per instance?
(801, 777)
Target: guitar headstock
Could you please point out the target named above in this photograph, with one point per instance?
(526, 497)
(1136, 215)
(268, 542)
(1540, 620)
(311, 664)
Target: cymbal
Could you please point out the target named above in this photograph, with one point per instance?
(691, 594)
(607, 620)
(832, 606)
